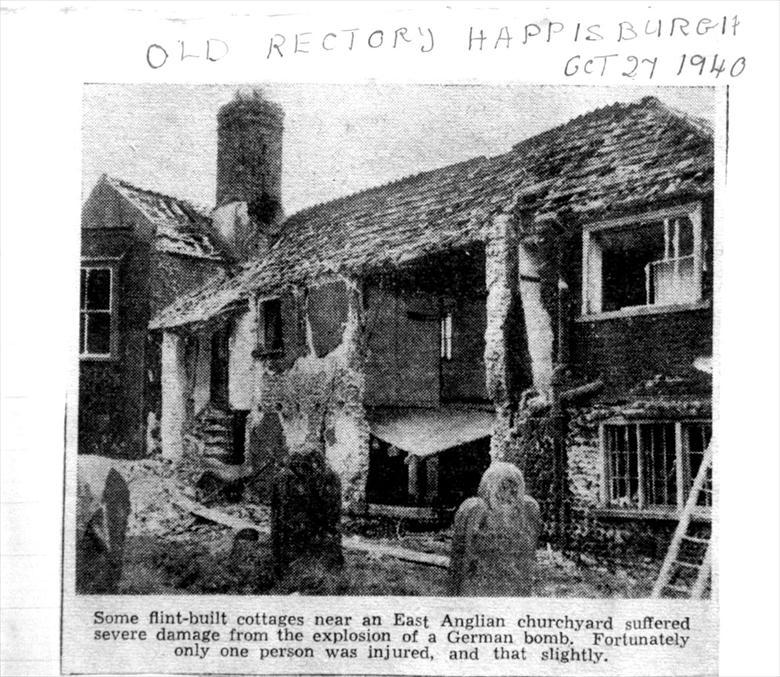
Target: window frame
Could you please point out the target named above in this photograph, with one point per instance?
(112, 265)
(683, 477)
(591, 276)
(262, 350)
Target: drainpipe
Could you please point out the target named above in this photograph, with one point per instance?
(558, 418)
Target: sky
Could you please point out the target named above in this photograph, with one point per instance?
(338, 139)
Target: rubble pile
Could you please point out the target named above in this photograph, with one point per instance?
(155, 485)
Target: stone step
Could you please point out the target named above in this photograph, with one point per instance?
(217, 432)
(216, 455)
(215, 415)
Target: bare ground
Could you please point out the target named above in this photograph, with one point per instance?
(169, 551)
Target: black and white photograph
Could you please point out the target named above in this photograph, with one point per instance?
(394, 339)
(415, 339)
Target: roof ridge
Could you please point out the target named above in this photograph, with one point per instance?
(700, 125)
(201, 209)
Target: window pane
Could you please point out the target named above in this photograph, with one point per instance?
(83, 292)
(672, 282)
(99, 334)
(698, 438)
(659, 466)
(272, 321)
(625, 256)
(686, 237)
(82, 329)
(99, 289)
(446, 336)
(623, 465)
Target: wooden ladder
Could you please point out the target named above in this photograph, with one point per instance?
(687, 566)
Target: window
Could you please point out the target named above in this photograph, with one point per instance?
(270, 327)
(653, 465)
(655, 260)
(97, 290)
(446, 335)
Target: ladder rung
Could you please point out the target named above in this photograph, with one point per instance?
(696, 540)
(678, 588)
(690, 565)
(695, 496)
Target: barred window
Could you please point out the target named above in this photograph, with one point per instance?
(652, 465)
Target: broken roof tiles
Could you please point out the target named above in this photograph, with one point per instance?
(181, 227)
(615, 158)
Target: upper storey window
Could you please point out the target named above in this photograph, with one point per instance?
(270, 328)
(651, 260)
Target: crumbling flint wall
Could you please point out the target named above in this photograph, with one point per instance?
(503, 343)
(590, 529)
(312, 398)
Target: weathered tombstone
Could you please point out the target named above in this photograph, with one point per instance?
(306, 513)
(266, 451)
(243, 553)
(102, 512)
(494, 537)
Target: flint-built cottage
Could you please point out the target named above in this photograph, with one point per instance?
(414, 331)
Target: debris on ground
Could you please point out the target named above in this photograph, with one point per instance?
(198, 563)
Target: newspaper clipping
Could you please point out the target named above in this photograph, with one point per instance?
(378, 372)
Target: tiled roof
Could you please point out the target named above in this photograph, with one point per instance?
(615, 158)
(181, 227)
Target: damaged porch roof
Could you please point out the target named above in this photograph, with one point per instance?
(614, 158)
(424, 432)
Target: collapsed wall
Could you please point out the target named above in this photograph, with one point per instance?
(312, 399)
(306, 397)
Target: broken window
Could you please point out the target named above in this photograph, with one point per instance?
(96, 309)
(652, 261)
(446, 335)
(653, 465)
(270, 334)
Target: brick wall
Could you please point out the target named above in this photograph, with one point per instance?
(630, 350)
(112, 393)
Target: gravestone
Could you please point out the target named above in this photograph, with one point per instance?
(494, 537)
(267, 450)
(102, 513)
(306, 513)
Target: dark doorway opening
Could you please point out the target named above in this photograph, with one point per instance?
(238, 446)
(457, 472)
(219, 368)
(461, 469)
(388, 474)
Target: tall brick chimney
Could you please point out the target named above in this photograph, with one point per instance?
(249, 173)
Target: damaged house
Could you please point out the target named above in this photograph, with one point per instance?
(140, 250)
(545, 306)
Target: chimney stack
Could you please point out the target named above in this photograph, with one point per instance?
(249, 173)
